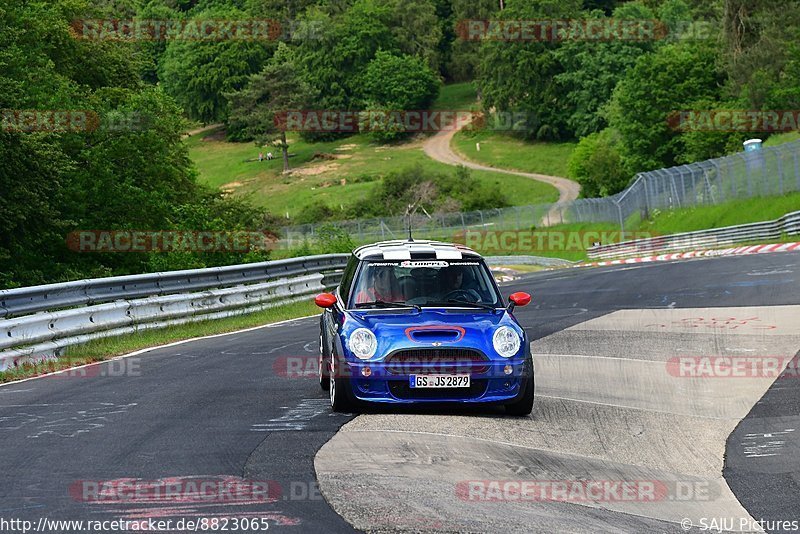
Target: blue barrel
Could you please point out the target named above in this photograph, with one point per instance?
(752, 145)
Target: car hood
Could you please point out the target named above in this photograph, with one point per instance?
(431, 325)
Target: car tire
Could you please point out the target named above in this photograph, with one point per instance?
(322, 368)
(524, 404)
(337, 390)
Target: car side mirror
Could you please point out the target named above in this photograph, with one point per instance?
(518, 299)
(325, 300)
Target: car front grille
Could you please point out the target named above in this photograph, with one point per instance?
(437, 361)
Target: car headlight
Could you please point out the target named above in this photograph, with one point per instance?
(506, 341)
(363, 343)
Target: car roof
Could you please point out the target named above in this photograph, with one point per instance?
(407, 250)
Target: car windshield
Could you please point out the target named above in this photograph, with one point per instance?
(454, 283)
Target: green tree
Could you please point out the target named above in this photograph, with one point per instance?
(667, 81)
(520, 75)
(597, 165)
(153, 51)
(256, 109)
(416, 29)
(198, 73)
(757, 42)
(345, 44)
(591, 71)
(283, 10)
(464, 54)
(402, 81)
(132, 172)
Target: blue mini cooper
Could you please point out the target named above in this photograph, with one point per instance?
(422, 322)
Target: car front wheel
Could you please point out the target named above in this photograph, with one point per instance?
(524, 405)
(340, 401)
(322, 369)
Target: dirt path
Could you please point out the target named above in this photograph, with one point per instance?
(201, 130)
(438, 148)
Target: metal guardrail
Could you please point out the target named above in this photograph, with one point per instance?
(527, 260)
(84, 292)
(41, 321)
(788, 224)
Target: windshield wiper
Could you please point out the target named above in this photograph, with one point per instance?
(476, 304)
(462, 303)
(384, 304)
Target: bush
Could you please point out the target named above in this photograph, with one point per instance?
(333, 240)
(392, 83)
(314, 213)
(597, 165)
(433, 192)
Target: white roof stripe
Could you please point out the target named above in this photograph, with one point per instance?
(396, 253)
(447, 254)
(403, 250)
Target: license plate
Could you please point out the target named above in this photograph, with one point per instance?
(439, 381)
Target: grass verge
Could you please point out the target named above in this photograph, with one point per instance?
(337, 173)
(506, 152)
(106, 348)
(456, 97)
(570, 241)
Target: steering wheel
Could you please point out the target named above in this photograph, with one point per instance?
(469, 295)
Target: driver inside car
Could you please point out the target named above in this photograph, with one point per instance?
(382, 286)
(455, 287)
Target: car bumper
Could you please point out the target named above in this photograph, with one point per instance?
(489, 383)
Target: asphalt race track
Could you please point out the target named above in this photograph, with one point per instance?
(613, 405)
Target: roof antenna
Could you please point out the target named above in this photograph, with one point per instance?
(409, 213)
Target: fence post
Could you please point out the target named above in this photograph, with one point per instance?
(707, 185)
(747, 170)
(621, 220)
(797, 168)
(719, 178)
